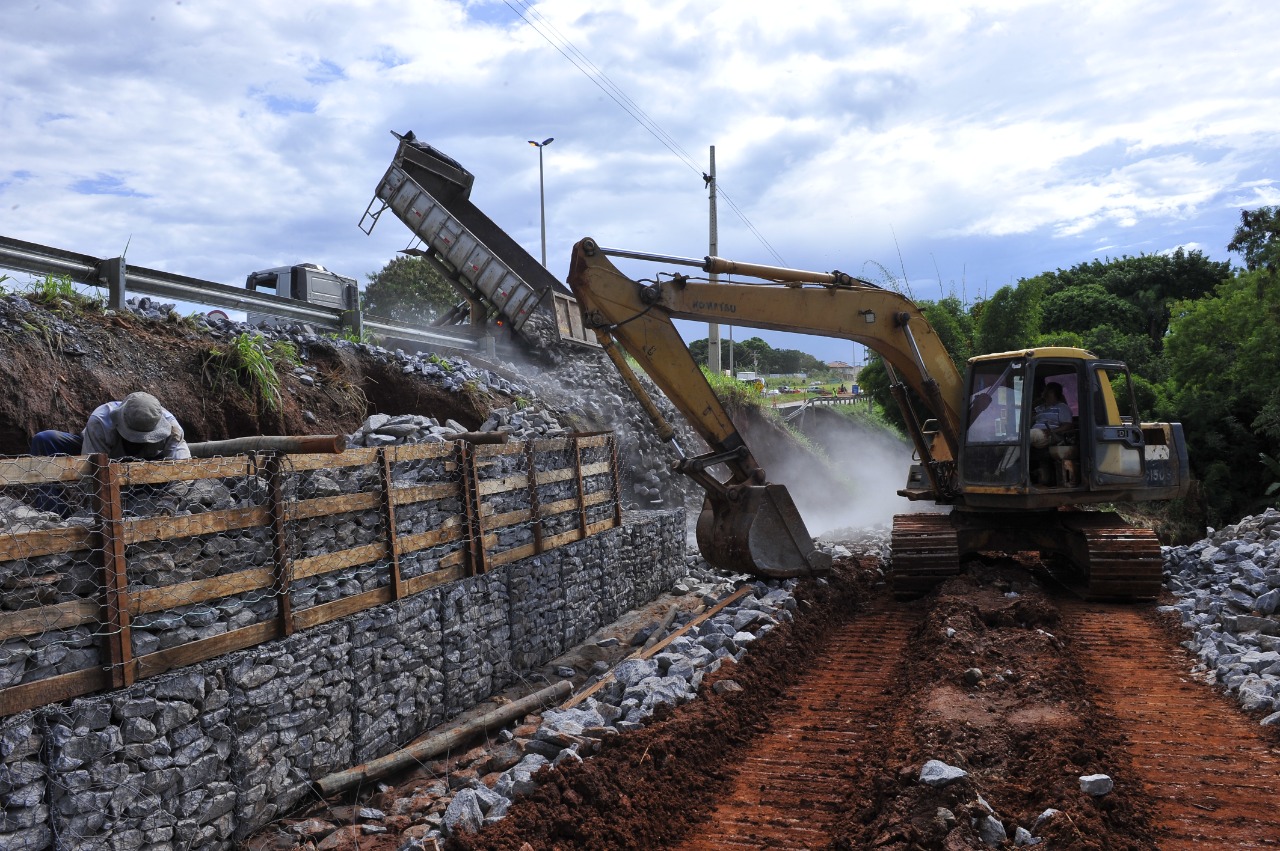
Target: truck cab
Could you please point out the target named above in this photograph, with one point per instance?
(307, 282)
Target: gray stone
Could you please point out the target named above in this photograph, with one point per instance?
(1096, 784)
(991, 830)
(937, 773)
(1022, 836)
(973, 676)
(464, 814)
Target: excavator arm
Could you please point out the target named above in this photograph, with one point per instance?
(747, 523)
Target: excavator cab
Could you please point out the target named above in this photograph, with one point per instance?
(1054, 426)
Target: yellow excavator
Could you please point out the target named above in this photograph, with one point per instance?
(1015, 478)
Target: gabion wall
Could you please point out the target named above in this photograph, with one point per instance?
(206, 755)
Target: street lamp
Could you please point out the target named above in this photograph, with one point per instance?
(542, 195)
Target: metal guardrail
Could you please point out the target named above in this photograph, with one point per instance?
(119, 279)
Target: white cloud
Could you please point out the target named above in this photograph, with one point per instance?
(995, 139)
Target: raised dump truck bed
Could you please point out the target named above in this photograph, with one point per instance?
(430, 193)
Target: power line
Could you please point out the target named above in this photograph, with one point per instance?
(527, 12)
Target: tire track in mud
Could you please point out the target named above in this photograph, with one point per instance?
(1213, 774)
(791, 788)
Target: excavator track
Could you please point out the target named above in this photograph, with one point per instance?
(1118, 560)
(926, 551)
(792, 787)
(1211, 772)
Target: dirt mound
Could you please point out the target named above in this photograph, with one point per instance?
(61, 362)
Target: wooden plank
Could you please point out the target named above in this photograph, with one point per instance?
(550, 477)
(422, 493)
(389, 524)
(419, 451)
(563, 505)
(329, 562)
(325, 612)
(563, 538)
(187, 526)
(56, 616)
(514, 554)
(546, 477)
(350, 458)
(488, 450)
(199, 591)
(550, 444)
(20, 698)
(501, 521)
(192, 652)
(591, 441)
(600, 526)
(188, 470)
(439, 577)
(452, 530)
(510, 483)
(43, 542)
(39, 470)
(118, 644)
(324, 506)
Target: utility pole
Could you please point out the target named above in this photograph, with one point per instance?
(713, 329)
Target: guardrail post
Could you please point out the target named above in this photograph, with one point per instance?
(114, 273)
(352, 318)
(118, 641)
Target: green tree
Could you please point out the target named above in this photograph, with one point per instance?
(408, 290)
(1223, 354)
(1257, 239)
(1146, 284)
(1010, 319)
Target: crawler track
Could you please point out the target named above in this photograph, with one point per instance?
(789, 790)
(1214, 775)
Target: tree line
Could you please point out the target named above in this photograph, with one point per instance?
(1201, 338)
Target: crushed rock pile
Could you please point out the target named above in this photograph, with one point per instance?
(1228, 589)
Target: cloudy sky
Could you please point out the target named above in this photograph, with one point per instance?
(967, 144)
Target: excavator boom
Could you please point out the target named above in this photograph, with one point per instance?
(747, 523)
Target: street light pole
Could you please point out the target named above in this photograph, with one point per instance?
(542, 196)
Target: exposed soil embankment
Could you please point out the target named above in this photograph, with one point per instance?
(61, 362)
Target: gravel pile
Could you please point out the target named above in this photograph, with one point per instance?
(1228, 585)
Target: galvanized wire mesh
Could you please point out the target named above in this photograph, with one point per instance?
(113, 572)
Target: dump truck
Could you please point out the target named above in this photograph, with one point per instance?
(499, 283)
(1000, 485)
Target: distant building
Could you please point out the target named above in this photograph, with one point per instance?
(844, 371)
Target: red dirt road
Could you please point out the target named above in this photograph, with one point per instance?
(791, 786)
(1213, 774)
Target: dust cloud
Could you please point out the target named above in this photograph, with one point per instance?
(857, 486)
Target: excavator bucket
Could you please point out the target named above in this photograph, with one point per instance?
(758, 532)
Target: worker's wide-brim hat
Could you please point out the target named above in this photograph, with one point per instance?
(141, 419)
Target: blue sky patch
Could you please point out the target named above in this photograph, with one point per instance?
(325, 72)
(104, 184)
